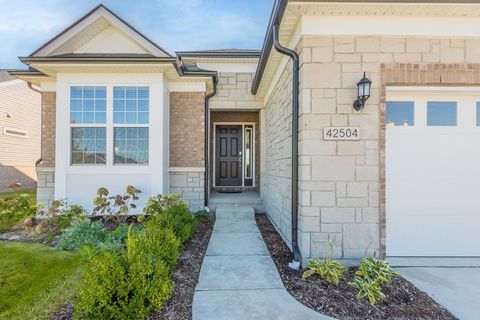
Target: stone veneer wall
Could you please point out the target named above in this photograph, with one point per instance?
(342, 183)
(190, 185)
(276, 139)
(233, 92)
(46, 169)
(186, 147)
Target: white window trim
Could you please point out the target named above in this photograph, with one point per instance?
(110, 127)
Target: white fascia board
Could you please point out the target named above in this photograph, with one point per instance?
(196, 86)
(390, 26)
(229, 67)
(296, 36)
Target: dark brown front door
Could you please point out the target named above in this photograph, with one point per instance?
(228, 156)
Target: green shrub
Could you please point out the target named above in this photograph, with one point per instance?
(160, 203)
(372, 269)
(132, 284)
(60, 216)
(179, 219)
(82, 233)
(160, 244)
(366, 288)
(14, 209)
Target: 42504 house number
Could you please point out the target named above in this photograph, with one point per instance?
(341, 133)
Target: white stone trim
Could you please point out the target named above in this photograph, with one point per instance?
(186, 169)
(390, 26)
(432, 89)
(187, 86)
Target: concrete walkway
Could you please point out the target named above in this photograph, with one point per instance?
(457, 289)
(238, 278)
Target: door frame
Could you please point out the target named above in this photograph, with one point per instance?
(242, 124)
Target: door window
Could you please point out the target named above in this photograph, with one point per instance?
(441, 113)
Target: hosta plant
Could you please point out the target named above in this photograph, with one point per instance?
(372, 269)
(328, 269)
(367, 289)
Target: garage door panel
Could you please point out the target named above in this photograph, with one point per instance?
(433, 186)
(424, 235)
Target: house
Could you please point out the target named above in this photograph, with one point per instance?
(20, 108)
(386, 164)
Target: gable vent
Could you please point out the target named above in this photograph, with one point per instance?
(15, 132)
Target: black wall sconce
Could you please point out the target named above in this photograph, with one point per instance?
(363, 93)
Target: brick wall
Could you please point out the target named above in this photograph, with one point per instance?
(46, 169)
(341, 183)
(187, 129)
(48, 129)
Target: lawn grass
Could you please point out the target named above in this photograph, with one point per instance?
(35, 280)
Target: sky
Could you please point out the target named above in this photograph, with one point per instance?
(175, 25)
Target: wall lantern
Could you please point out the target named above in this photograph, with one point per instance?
(363, 93)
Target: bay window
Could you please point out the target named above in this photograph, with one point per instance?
(92, 127)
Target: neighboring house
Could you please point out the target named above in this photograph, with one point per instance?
(400, 177)
(20, 109)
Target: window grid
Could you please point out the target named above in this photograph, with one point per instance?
(88, 145)
(131, 145)
(88, 104)
(130, 105)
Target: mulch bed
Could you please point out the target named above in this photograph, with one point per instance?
(402, 299)
(185, 277)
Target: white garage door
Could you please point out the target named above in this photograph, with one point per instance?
(433, 173)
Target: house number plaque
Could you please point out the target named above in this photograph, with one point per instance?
(341, 133)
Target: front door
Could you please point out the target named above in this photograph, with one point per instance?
(228, 156)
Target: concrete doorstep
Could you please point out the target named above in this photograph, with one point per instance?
(238, 278)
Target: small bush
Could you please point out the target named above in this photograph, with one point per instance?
(117, 207)
(179, 219)
(160, 244)
(132, 284)
(15, 209)
(160, 203)
(82, 233)
(60, 216)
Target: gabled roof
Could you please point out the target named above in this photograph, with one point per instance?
(94, 22)
(5, 76)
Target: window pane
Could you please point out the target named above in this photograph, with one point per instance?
(85, 102)
(478, 114)
(441, 113)
(131, 104)
(88, 145)
(131, 146)
(400, 113)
